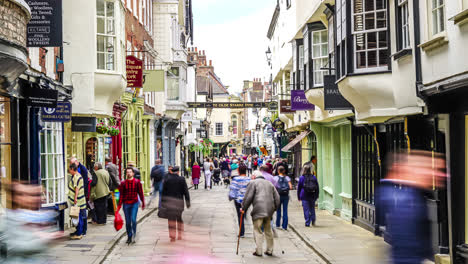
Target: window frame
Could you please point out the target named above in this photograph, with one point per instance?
(234, 124)
(220, 129)
(365, 33)
(431, 17)
(106, 37)
(321, 56)
(341, 39)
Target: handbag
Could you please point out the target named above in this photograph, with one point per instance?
(162, 213)
(74, 211)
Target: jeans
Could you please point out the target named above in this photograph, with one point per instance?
(176, 224)
(238, 208)
(130, 211)
(284, 200)
(100, 210)
(157, 187)
(309, 211)
(82, 223)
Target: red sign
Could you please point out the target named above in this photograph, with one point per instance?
(285, 106)
(134, 72)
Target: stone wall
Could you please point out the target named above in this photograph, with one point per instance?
(13, 21)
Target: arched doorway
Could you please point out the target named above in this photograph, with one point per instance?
(91, 152)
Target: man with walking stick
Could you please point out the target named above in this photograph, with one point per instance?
(264, 198)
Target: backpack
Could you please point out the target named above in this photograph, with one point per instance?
(157, 174)
(310, 185)
(283, 186)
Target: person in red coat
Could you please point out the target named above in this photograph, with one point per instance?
(196, 175)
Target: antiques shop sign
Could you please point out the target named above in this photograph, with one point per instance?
(134, 72)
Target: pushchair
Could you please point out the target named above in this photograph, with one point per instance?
(216, 176)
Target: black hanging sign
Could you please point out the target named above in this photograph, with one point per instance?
(42, 97)
(83, 124)
(45, 26)
(334, 100)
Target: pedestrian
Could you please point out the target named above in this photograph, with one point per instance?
(100, 193)
(208, 168)
(175, 191)
(76, 197)
(81, 169)
(308, 193)
(249, 166)
(225, 171)
(234, 168)
(237, 192)
(157, 175)
(137, 172)
(313, 163)
(216, 163)
(266, 175)
(270, 166)
(264, 198)
(255, 164)
(196, 171)
(130, 190)
(283, 185)
(113, 171)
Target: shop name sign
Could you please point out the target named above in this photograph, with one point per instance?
(42, 97)
(229, 105)
(61, 113)
(299, 101)
(45, 27)
(334, 100)
(134, 72)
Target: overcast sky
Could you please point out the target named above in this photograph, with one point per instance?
(233, 34)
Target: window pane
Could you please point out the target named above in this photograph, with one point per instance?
(382, 39)
(44, 191)
(372, 40)
(316, 37)
(100, 7)
(381, 19)
(316, 51)
(372, 58)
(441, 19)
(110, 62)
(381, 4)
(101, 63)
(370, 21)
(324, 50)
(324, 36)
(100, 25)
(101, 43)
(358, 23)
(110, 27)
(110, 44)
(358, 6)
(360, 44)
(110, 9)
(434, 22)
(383, 57)
(361, 59)
(369, 5)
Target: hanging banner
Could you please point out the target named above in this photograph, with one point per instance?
(61, 113)
(45, 27)
(134, 72)
(299, 101)
(285, 107)
(153, 80)
(334, 100)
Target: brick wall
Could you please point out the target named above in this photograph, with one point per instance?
(13, 21)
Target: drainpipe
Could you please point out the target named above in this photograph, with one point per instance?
(417, 50)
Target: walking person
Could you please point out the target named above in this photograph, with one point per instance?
(225, 171)
(76, 197)
(237, 191)
(157, 175)
(283, 185)
(113, 171)
(208, 168)
(175, 191)
(234, 167)
(308, 193)
(130, 190)
(249, 166)
(100, 193)
(196, 171)
(264, 198)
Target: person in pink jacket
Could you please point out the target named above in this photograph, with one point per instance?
(196, 175)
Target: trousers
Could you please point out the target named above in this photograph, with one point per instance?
(82, 226)
(176, 225)
(100, 209)
(258, 234)
(309, 211)
(284, 200)
(131, 211)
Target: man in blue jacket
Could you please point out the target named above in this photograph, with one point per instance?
(84, 173)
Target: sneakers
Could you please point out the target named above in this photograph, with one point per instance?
(269, 254)
(129, 240)
(76, 237)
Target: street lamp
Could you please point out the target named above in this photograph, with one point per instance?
(268, 55)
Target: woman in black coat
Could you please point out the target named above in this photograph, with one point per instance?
(174, 192)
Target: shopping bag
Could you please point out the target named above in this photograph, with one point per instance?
(162, 213)
(74, 211)
(118, 221)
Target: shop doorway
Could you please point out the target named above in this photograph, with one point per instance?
(91, 152)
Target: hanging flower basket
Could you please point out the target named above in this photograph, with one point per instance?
(113, 131)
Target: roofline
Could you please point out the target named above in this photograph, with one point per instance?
(274, 21)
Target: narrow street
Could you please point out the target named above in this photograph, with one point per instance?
(210, 237)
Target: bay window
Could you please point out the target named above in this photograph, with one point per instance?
(106, 35)
(403, 25)
(331, 46)
(319, 55)
(370, 35)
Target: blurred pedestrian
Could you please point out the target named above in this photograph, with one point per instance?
(175, 191)
(130, 190)
(157, 176)
(249, 166)
(405, 207)
(264, 198)
(208, 168)
(76, 197)
(196, 171)
(283, 185)
(234, 167)
(308, 193)
(99, 193)
(225, 171)
(113, 171)
(237, 191)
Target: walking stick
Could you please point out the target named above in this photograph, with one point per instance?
(240, 229)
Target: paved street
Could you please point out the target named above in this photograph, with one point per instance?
(210, 237)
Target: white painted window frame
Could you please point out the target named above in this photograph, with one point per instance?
(403, 7)
(322, 58)
(437, 13)
(107, 36)
(220, 129)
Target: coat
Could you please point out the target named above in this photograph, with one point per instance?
(101, 189)
(84, 173)
(174, 192)
(196, 171)
(264, 198)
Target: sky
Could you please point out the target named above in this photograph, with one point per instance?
(233, 35)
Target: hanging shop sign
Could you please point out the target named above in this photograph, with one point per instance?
(285, 107)
(42, 97)
(153, 80)
(334, 100)
(134, 72)
(273, 106)
(45, 27)
(187, 116)
(299, 101)
(228, 105)
(61, 113)
(83, 124)
(201, 133)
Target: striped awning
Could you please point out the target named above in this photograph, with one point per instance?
(295, 141)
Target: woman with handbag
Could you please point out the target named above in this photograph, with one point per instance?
(196, 175)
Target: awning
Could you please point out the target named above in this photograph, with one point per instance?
(295, 141)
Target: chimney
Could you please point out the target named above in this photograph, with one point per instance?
(196, 49)
(211, 63)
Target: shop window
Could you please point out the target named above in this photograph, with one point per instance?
(5, 147)
(219, 129)
(437, 16)
(52, 164)
(370, 35)
(403, 34)
(106, 35)
(319, 55)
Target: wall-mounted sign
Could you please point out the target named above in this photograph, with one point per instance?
(45, 27)
(42, 97)
(285, 107)
(61, 113)
(134, 72)
(187, 116)
(334, 100)
(273, 106)
(201, 133)
(83, 124)
(299, 101)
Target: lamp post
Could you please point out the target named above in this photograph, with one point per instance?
(268, 55)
